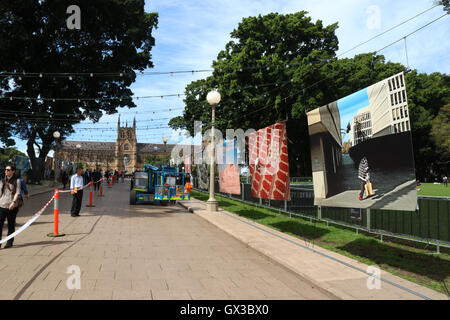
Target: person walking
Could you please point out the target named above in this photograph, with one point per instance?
(87, 176)
(96, 178)
(64, 179)
(445, 180)
(363, 175)
(24, 188)
(76, 183)
(10, 190)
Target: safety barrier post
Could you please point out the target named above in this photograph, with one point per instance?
(101, 187)
(56, 216)
(90, 194)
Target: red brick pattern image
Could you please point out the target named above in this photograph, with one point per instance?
(269, 166)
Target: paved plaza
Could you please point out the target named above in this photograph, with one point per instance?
(138, 252)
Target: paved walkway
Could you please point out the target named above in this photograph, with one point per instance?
(138, 252)
(35, 190)
(310, 262)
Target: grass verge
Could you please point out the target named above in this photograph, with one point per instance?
(430, 189)
(412, 261)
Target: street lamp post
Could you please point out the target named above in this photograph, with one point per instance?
(78, 151)
(213, 99)
(56, 135)
(165, 139)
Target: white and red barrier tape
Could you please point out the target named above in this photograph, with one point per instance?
(37, 214)
(28, 223)
(83, 187)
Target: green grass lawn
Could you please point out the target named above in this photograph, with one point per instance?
(429, 189)
(411, 261)
(302, 182)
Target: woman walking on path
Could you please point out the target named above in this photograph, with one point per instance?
(363, 175)
(10, 190)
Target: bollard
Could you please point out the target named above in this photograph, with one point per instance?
(90, 194)
(101, 187)
(56, 216)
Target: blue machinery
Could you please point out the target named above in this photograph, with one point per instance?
(158, 185)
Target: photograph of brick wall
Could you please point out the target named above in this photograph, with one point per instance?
(269, 166)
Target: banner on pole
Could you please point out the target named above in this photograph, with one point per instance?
(229, 181)
(187, 164)
(269, 165)
(202, 175)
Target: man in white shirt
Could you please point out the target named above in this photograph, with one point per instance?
(76, 181)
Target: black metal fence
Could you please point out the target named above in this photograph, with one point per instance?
(430, 223)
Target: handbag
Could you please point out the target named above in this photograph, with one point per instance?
(19, 201)
(368, 188)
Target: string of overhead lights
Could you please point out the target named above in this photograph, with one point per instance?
(71, 75)
(97, 100)
(75, 121)
(122, 98)
(255, 99)
(303, 90)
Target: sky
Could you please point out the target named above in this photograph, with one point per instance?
(349, 106)
(191, 33)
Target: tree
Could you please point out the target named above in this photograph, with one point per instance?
(254, 71)
(445, 4)
(440, 133)
(157, 160)
(7, 156)
(115, 37)
(426, 94)
(280, 67)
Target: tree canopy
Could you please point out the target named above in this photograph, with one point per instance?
(279, 67)
(7, 155)
(115, 36)
(440, 133)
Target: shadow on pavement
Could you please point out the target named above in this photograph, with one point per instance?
(40, 243)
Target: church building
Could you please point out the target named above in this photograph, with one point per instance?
(126, 154)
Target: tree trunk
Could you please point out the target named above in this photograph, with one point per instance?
(37, 165)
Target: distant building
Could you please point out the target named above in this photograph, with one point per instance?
(387, 112)
(126, 154)
(361, 126)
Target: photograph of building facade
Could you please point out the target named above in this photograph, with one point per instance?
(324, 127)
(125, 154)
(376, 126)
(387, 112)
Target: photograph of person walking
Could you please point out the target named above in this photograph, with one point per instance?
(371, 126)
(363, 175)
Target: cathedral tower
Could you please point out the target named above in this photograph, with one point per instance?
(126, 147)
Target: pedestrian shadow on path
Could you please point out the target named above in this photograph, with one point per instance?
(34, 223)
(41, 243)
